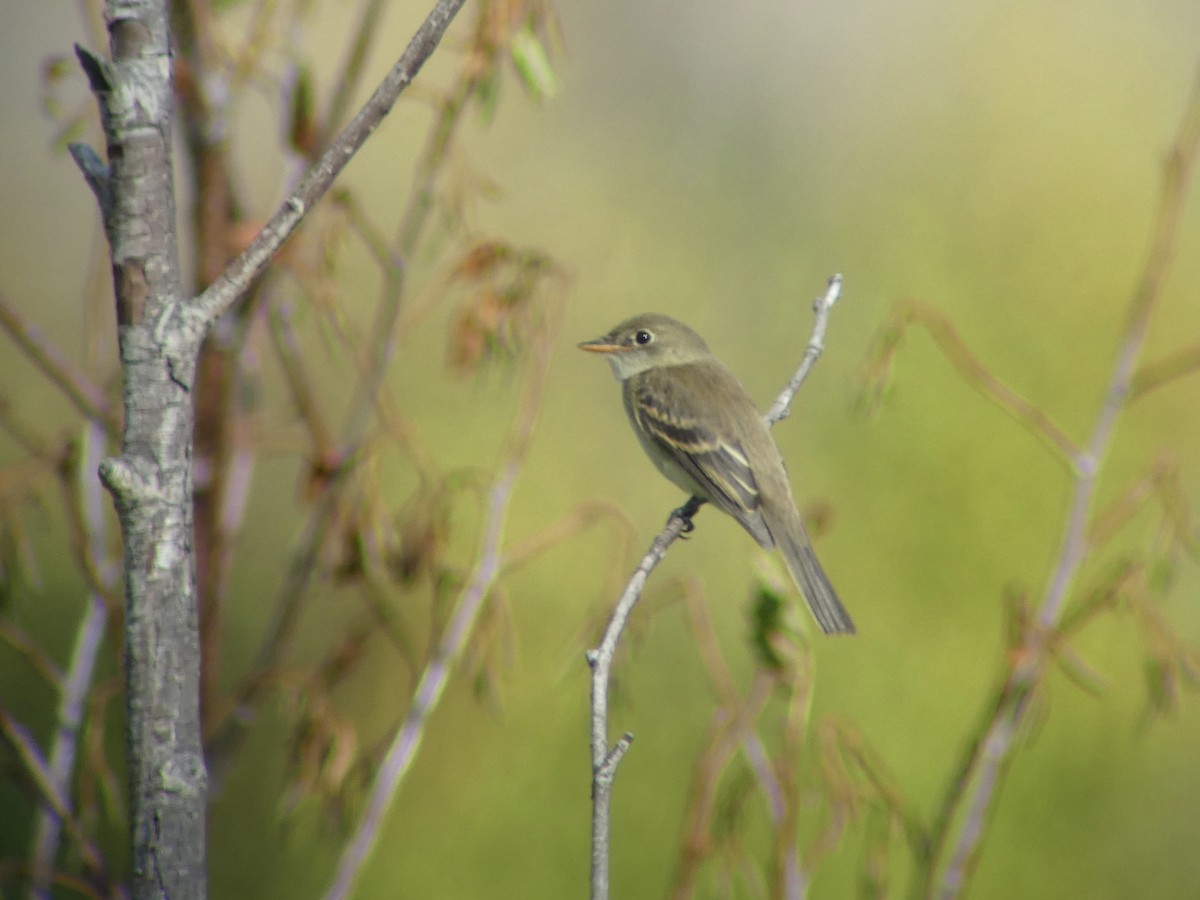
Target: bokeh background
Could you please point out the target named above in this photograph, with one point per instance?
(715, 161)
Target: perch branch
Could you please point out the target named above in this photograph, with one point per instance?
(605, 759)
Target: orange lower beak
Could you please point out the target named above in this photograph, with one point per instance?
(600, 345)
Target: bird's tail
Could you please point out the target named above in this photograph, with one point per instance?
(806, 571)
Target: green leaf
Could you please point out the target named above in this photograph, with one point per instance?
(533, 64)
(766, 621)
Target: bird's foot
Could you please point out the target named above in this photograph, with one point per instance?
(685, 513)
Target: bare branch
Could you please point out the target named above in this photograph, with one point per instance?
(822, 306)
(977, 784)
(34, 766)
(78, 680)
(347, 80)
(976, 374)
(604, 759)
(234, 281)
(488, 568)
(84, 395)
(151, 482)
(1151, 376)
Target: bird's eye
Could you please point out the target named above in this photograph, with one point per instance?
(643, 337)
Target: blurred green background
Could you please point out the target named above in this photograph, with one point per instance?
(717, 162)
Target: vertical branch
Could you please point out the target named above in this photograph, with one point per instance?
(286, 606)
(605, 759)
(203, 112)
(977, 784)
(352, 69)
(151, 481)
(78, 678)
(408, 738)
(408, 236)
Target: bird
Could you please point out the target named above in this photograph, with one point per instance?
(701, 429)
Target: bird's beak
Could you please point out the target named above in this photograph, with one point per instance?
(602, 344)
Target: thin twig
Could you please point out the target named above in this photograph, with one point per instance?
(347, 80)
(286, 607)
(488, 568)
(407, 741)
(977, 785)
(1161, 372)
(782, 406)
(605, 759)
(78, 680)
(238, 275)
(978, 376)
(35, 768)
(63, 373)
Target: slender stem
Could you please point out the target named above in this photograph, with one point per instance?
(352, 69)
(604, 759)
(85, 396)
(78, 678)
(488, 568)
(978, 786)
(433, 681)
(286, 607)
(978, 376)
(237, 277)
(822, 306)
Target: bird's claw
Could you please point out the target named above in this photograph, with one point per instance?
(685, 513)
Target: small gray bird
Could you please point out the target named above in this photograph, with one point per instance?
(702, 430)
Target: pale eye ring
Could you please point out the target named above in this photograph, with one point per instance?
(643, 337)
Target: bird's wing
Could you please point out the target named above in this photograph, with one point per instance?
(715, 461)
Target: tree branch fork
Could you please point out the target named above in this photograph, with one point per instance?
(160, 333)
